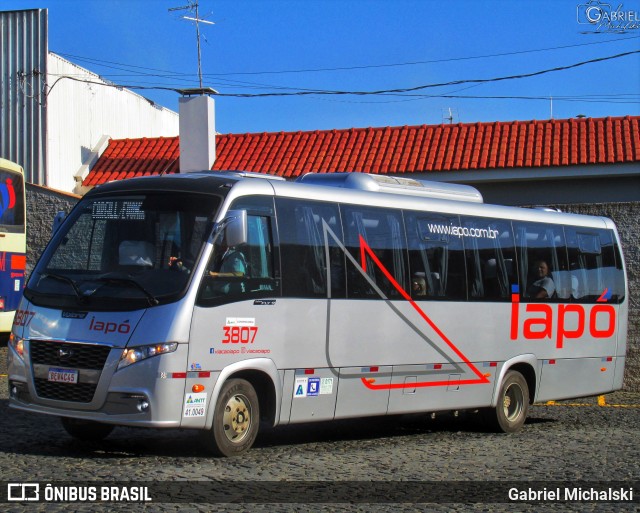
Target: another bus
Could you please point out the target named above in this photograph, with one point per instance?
(215, 301)
(13, 242)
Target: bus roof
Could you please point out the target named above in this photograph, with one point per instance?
(395, 185)
(436, 197)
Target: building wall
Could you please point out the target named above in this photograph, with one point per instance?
(42, 206)
(52, 122)
(593, 183)
(81, 116)
(577, 190)
(23, 67)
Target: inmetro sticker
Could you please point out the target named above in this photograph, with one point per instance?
(326, 386)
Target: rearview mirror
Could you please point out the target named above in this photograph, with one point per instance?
(236, 228)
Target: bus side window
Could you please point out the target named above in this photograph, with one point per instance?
(383, 232)
(436, 257)
(307, 231)
(491, 259)
(542, 258)
(593, 265)
(250, 271)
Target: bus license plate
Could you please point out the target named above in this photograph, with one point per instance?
(62, 375)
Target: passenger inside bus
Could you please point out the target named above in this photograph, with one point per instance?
(418, 286)
(543, 286)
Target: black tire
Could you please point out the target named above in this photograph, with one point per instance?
(236, 419)
(512, 409)
(86, 430)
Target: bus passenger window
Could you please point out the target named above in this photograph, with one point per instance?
(595, 271)
(309, 231)
(542, 257)
(490, 254)
(383, 233)
(436, 257)
(242, 272)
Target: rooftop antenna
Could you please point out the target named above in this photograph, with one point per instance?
(450, 117)
(193, 7)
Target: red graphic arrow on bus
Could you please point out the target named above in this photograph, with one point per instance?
(365, 250)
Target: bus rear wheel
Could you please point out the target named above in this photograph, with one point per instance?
(86, 430)
(236, 419)
(512, 409)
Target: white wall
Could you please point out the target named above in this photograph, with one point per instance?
(79, 115)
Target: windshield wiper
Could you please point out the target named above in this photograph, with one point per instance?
(65, 279)
(128, 279)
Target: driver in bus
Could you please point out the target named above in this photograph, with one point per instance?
(231, 264)
(543, 287)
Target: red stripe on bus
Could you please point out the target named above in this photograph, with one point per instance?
(365, 249)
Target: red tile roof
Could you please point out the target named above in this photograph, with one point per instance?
(391, 150)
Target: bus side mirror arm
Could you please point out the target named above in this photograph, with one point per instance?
(235, 228)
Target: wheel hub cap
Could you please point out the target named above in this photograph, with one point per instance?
(237, 418)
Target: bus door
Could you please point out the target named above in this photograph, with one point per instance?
(313, 277)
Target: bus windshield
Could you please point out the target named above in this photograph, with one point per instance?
(11, 202)
(124, 252)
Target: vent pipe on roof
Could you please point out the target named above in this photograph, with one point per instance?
(197, 130)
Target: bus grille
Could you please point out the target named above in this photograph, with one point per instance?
(70, 356)
(78, 393)
(73, 356)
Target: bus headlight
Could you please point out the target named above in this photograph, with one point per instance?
(136, 354)
(17, 344)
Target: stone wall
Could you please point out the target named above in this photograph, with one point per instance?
(42, 206)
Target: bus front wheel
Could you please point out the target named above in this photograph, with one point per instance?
(511, 411)
(236, 419)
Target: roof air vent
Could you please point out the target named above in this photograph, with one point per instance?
(394, 185)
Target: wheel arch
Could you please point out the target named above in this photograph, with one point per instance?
(524, 364)
(265, 379)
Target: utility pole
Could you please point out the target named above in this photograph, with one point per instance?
(193, 7)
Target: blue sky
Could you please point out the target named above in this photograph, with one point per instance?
(268, 46)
